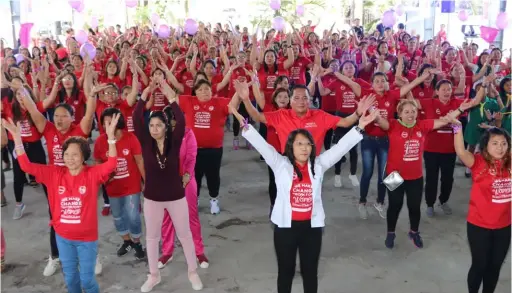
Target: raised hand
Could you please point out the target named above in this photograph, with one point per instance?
(367, 119)
(14, 129)
(365, 103)
(168, 92)
(242, 89)
(98, 88)
(236, 114)
(467, 104)
(110, 128)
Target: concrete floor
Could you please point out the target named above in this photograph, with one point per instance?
(239, 244)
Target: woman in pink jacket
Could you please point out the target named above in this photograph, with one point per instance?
(188, 152)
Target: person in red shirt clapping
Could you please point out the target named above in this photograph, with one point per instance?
(488, 220)
(72, 196)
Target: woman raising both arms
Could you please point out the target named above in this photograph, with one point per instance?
(72, 197)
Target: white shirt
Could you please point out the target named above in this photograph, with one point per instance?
(283, 172)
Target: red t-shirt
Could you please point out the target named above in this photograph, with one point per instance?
(240, 75)
(78, 105)
(29, 131)
(406, 148)
(440, 140)
(272, 137)
(115, 80)
(301, 195)
(387, 107)
(125, 109)
(329, 102)
(206, 119)
(489, 203)
(126, 177)
(345, 97)
(267, 79)
(298, 70)
(187, 79)
(218, 78)
(73, 200)
(55, 139)
(159, 101)
(317, 122)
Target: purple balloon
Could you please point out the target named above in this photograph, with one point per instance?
(75, 3)
(155, 18)
(81, 7)
(278, 23)
(300, 10)
(164, 31)
(81, 36)
(191, 26)
(275, 4)
(399, 9)
(502, 21)
(19, 58)
(94, 22)
(131, 3)
(463, 15)
(389, 18)
(88, 49)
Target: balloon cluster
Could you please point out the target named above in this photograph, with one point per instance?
(77, 5)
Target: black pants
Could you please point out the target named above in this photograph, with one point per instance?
(105, 195)
(413, 189)
(5, 156)
(286, 242)
(338, 134)
(35, 153)
(208, 164)
(236, 123)
(489, 248)
(272, 188)
(433, 163)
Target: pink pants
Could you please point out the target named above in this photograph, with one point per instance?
(195, 224)
(153, 216)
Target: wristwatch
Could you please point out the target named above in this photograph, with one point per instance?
(111, 141)
(359, 129)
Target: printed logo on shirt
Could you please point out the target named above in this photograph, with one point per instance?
(71, 209)
(82, 189)
(126, 152)
(310, 125)
(196, 107)
(501, 190)
(438, 111)
(121, 168)
(129, 124)
(55, 138)
(210, 108)
(159, 100)
(26, 130)
(411, 150)
(76, 102)
(202, 119)
(342, 87)
(271, 79)
(61, 189)
(405, 134)
(295, 71)
(386, 104)
(421, 94)
(418, 134)
(348, 100)
(58, 159)
(302, 197)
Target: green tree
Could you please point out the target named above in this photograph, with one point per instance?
(265, 14)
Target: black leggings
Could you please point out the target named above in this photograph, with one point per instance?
(309, 243)
(272, 188)
(489, 248)
(338, 134)
(236, 123)
(5, 156)
(35, 153)
(208, 164)
(105, 195)
(414, 190)
(435, 162)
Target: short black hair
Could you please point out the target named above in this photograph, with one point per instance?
(300, 86)
(67, 107)
(109, 112)
(82, 143)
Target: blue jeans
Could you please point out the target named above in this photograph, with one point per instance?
(372, 146)
(76, 254)
(126, 213)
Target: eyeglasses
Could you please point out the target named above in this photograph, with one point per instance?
(110, 93)
(67, 79)
(301, 144)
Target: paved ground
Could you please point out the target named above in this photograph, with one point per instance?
(239, 244)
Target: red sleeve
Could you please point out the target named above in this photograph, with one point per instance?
(136, 148)
(477, 165)
(40, 107)
(330, 121)
(184, 102)
(426, 125)
(102, 171)
(394, 95)
(273, 118)
(223, 103)
(100, 148)
(43, 173)
(363, 83)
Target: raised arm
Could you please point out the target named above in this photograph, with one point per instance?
(405, 89)
(356, 88)
(38, 118)
(177, 134)
(141, 130)
(242, 91)
(467, 158)
(364, 104)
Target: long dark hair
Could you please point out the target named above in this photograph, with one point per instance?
(420, 72)
(288, 150)
(265, 66)
(484, 140)
(17, 113)
(501, 89)
(75, 91)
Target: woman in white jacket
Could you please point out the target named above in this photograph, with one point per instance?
(298, 213)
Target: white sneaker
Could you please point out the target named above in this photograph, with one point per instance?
(337, 181)
(195, 281)
(150, 283)
(354, 180)
(99, 267)
(214, 206)
(51, 266)
(380, 208)
(363, 212)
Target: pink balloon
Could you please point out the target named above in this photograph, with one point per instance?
(155, 18)
(81, 7)
(88, 49)
(300, 10)
(463, 15)
(502, 21)
(81, 36)
(275, 4)
(164, 31)
(19, 58)
(191, 26)
(488, 34)
(278, 23)
(131, 3)
(94, 22)
(75, 3)
(399, 10)
(389, 18)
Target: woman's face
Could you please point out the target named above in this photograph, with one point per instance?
(383, 49)
(284, 84)
(311, 38)
(429, 49)
(36, 52)
(483, 58)
(204, 93)
(62, 119)
(445, 92)
(110, 95)
(497, 147)
(409, 114)
(379, 83)
(73, 157)
(10, 61)
(67, 81)
(25, 52)
(270, 58)
(20, 94)
(209, 69)
(411, 46)
(53, 45)
(112, 68)
(241, 58)
(282, 100)
(450, 56)
(23, 66)
(349, 70)
(496, 55)
(302, 147)
(13, 72)
(212, 52)
(158, 75)
(140, 63)
(445, 46)
(77, 62)
(406, 38)
(157, 128)
(126, 92)
(506, 87)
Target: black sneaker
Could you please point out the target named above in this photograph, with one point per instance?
(390, 240)
(125, 248)
(416, 239)
(139, 251)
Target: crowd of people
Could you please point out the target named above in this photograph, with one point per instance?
(162, 107)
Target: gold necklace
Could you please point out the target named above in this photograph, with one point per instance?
(162, 164)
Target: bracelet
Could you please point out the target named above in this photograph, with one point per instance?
(111, 141)
(460, 110)
(19, 147)
(246, 124)
(456, 128)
